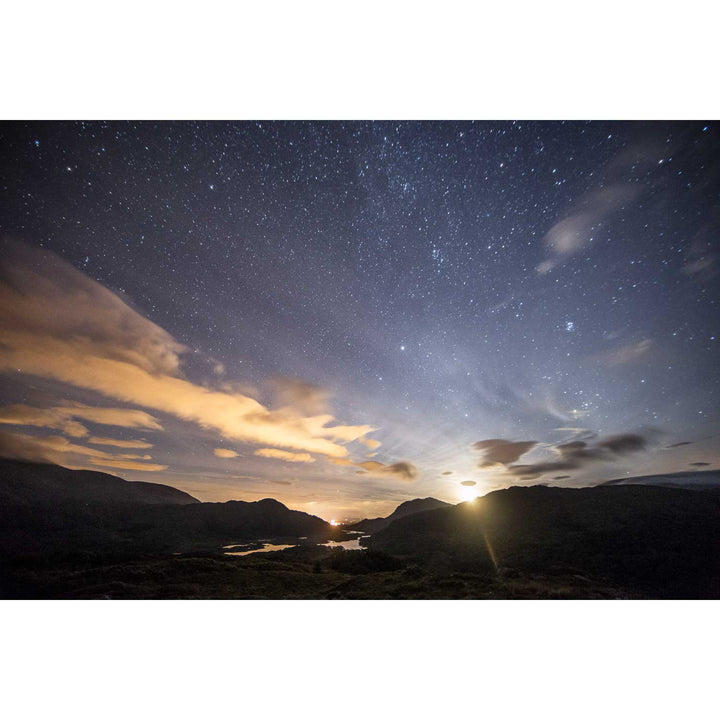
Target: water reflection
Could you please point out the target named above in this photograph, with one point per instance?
(353, 544)
(259, 547)
(267, 547)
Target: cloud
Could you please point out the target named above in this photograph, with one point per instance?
(562, 477)
(344, 462)
(700, 464)
(120, 417)
(128, 465)
(57, 323)
(285, 455)
(37, 417)
(447, 472)
(679, 444)
(702, 261)
(224, 453)
(627, 353)
(370, 442)
(119, 443)
(537, 469)
(574, 233)
(61, 418)
(402, 470)
(43, 449)
(623, 444)
(468, 483)
(59, 450)
(299, 396)
(578, 453)
(577, 432)
(502, 452)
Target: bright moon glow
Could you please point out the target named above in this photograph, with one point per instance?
(467, 493)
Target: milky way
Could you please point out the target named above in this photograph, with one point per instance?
(431, 287)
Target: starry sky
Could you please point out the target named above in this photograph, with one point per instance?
(346, 315)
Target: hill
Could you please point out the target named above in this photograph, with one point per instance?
(665, 541)
(49, 510)
(403, 510)
(29, 484)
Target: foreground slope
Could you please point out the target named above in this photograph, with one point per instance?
(663, 540)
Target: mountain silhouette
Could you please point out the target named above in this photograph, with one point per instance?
(663, 540)
(62, 529)
(409, 507)
(27, 483)
(47, 509)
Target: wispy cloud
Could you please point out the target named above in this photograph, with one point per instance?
(575, 233)
(224, 453)
(285, 455)
(128, 465)
(119, 443)
(58, 449)
(627, 353)
(370, 442)
(62, 418)
(402, 470)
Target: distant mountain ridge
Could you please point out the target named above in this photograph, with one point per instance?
(29, 483)
(409, 507)
(697, 480)
(49, 509)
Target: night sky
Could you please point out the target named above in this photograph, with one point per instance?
(346, 315)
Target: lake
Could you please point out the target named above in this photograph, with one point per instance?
(353, 544)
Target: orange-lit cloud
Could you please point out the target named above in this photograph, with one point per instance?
(38, 417)
(128, 465)
(120, 417)
(61, 418)
(402, 470)
(371, 443)
(119, 443)
(224, 453)
(57, 323)
(284, 455)
(59, 450)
